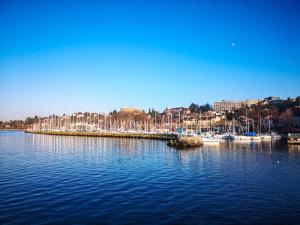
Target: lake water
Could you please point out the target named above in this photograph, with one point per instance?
(81, 180)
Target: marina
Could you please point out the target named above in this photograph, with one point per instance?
(210, 127)
(158, 112)
(174, 137)
(55, 179)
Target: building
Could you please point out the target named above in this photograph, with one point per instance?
(206, 120)
(177, 113)
(131, 109)
(227, 105)
(251, 102)
(273, 100)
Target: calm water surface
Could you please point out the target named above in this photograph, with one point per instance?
(80, 180)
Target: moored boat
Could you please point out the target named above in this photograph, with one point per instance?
(265, 137)
(210, 140)
(276, 136)
(249, 136)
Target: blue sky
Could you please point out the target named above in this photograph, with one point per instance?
(66, 56)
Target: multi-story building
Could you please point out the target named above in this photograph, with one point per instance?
(226, 105)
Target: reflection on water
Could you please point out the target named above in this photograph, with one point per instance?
(96, 146)
(294, 149)
(67, 143)
(76, 180)
(121, 147)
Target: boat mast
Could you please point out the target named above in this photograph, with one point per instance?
(247, 125)
(200, 123)
(233, 125)
(269, 123)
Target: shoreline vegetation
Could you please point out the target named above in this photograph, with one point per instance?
(173, 140)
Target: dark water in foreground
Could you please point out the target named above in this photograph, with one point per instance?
(79, 180)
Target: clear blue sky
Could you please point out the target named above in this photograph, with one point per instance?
(67, 56)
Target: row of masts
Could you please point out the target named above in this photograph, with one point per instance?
(105, 123)
(166, 123)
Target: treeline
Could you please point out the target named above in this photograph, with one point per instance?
(31, 120)
(19, 124)
(195, 108)
(13, 124)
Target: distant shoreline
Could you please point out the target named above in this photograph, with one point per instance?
(12, 129)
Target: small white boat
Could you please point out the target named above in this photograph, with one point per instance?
(265, 137)
(246, 138)
(275, 136)
(210, 140)
(225, 136)
(242, 138)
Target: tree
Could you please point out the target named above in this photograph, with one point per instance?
(205, 108)
(194, 108)
(298, 100)
(29, 121)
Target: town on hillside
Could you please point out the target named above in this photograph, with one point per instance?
(271, 114)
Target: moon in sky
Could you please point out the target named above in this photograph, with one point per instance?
(233, 44)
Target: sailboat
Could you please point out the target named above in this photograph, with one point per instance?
(248, 136)
(267, 136)
(270, 135)
(210, 137)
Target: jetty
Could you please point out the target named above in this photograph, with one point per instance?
(156, 136)
(174, 140)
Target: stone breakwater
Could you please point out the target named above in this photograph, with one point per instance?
(164, 137)
(173, 139)
(186, 142)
